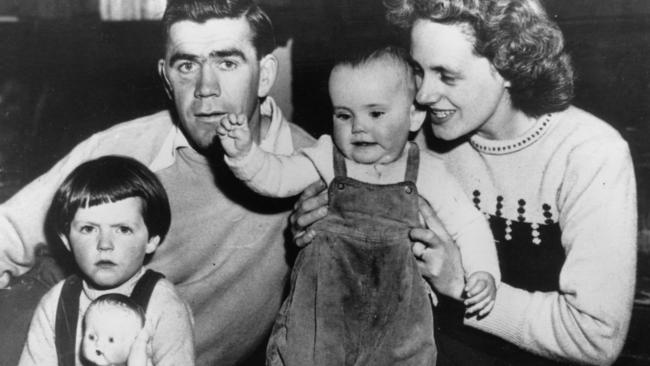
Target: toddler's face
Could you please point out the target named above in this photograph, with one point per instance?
(109, 241)
(373, 110)
(109, 332)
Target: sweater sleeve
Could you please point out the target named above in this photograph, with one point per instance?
(276, 175)
(587, 319)
(465, 224)
(39, 348)
(22, 217)
(171, 326)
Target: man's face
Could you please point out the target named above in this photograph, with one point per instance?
(462, 91)
(109, 241)
(373, 108)
(212, 69)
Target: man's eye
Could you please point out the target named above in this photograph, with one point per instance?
(186, 67)
(376, 114)
(228, 65)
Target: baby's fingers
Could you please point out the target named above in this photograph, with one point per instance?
(474, 286)
(480, 305)
(486, 310)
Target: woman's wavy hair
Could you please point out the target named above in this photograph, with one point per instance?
(516, 36)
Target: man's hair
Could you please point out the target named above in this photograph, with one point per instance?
(200, 11)
(516, 36)
(356, 54)
(121, 301)
(110, 179)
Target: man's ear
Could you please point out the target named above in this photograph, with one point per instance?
(417, 116)
(65, 241)
(152, 244)
(163, 76)
(268, 73)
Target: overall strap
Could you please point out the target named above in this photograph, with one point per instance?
(339, 163)
(143, 289)
(412, 163)
(67, 313)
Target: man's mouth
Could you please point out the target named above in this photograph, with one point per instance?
(211, 117)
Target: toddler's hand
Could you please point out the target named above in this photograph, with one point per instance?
(481, 292)
(235, 135)
(141, 352)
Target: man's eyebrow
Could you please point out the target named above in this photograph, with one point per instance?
(182, 56)
(229, 52)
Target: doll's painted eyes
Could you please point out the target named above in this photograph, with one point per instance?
(110, 340)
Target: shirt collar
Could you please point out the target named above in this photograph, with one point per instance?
(277, 139)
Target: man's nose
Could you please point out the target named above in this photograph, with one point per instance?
(207, 84)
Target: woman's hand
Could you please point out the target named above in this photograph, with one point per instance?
(140, 354)
(311, 207)
(437, 255)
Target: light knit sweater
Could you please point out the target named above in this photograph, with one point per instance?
(574, 170)
(286, 175)
(168, 322)
(225, 251)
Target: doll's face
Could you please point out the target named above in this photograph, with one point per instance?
(109, 332)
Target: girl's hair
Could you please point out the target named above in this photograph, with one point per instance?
(200, 11)
(109, 179)
(516, 36)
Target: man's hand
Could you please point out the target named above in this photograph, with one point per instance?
(437, 255)
(235, 135)
(311, 207)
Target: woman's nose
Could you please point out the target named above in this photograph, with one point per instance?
(429, 91)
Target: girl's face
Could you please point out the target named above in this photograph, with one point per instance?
(373, 110)
(462, 91)
(109, 241)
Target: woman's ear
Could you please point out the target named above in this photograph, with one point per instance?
(417, 116)
(163, 76)
(152, 244)
(268, 73)
(65, 241)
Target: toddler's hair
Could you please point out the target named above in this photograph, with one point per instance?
(110, 179)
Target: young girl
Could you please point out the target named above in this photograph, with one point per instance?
(109, 213)
(357, 295)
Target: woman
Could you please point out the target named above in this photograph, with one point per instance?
(556, 183)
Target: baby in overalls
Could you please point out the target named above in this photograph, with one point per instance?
(356, 295)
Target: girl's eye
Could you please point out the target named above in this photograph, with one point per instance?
(124, 230)
(86, 229)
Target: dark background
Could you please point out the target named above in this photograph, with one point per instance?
(65, 77)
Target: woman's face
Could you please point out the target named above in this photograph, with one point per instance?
(462, 91)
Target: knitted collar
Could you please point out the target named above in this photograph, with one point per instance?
(500, 147)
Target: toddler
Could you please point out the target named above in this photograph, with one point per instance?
(110, 213)
(356, 294)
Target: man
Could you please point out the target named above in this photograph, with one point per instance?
(225, 250)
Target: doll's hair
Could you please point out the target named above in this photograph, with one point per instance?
(516, 36)
(118, 300)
